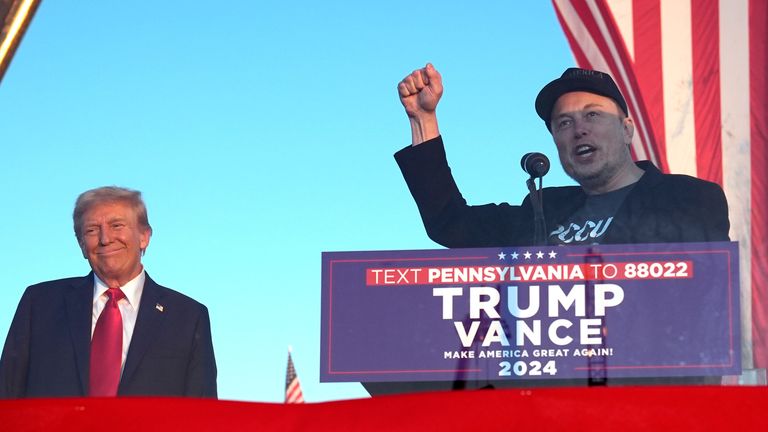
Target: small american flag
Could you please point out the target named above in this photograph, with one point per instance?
(292, 386)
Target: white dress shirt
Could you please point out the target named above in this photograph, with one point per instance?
(129, 307)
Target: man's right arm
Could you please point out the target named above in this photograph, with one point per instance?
(447, 218)
(14, 362)
(201, 372)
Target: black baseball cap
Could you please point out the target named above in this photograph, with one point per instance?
(575, 79)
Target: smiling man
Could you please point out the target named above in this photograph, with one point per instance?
(114, 332)
(617, 200)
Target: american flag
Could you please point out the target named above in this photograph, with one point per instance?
(694, 75)
(292, 386)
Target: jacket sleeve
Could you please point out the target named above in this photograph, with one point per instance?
(447, 217)
(14, 363)
(201, 372)
(717, 224)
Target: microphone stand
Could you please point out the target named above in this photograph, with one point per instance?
(537, 201)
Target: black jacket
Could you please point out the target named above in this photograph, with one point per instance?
(661, 208)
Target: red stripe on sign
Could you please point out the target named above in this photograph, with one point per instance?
(705, 31)
(646, 23)
(758, 90)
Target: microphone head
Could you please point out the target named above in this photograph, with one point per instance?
(535, 164)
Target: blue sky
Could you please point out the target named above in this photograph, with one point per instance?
(261, 134)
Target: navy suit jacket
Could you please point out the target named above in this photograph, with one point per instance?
(47, 351)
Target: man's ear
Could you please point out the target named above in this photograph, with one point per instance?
(145, 235)
(629, 130)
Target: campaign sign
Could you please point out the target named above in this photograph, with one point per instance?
(542, 312)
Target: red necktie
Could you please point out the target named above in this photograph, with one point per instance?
(107, 348)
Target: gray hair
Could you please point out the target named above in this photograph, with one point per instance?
(109, 194)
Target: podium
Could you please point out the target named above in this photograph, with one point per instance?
(539, 316)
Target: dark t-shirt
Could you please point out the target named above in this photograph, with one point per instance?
(590, 222)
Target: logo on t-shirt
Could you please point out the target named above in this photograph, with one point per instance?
(587, 233)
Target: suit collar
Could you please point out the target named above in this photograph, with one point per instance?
(79, 306)
(624, 227)
(149, 320)
(651, 177)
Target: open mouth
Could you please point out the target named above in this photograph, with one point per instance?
(584, 150)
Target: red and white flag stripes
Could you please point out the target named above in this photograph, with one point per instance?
(694, 76)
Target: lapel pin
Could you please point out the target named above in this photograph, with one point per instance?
(159, 307)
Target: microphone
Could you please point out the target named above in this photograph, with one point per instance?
(535, 164)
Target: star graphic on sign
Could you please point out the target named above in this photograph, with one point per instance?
(514, 255)
(502, 255)
(527, 255)
(552, 254)
(539, 255)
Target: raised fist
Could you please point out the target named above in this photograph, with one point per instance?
(420, 91)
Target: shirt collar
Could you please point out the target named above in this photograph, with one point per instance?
(132, 289)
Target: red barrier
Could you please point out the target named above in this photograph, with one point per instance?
(669, 408)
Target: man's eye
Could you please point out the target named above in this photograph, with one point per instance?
(90, 230)
(118, 225)
(593, 114)
(563, 123)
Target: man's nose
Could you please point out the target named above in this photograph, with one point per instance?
(580, 129)
(105, 236)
